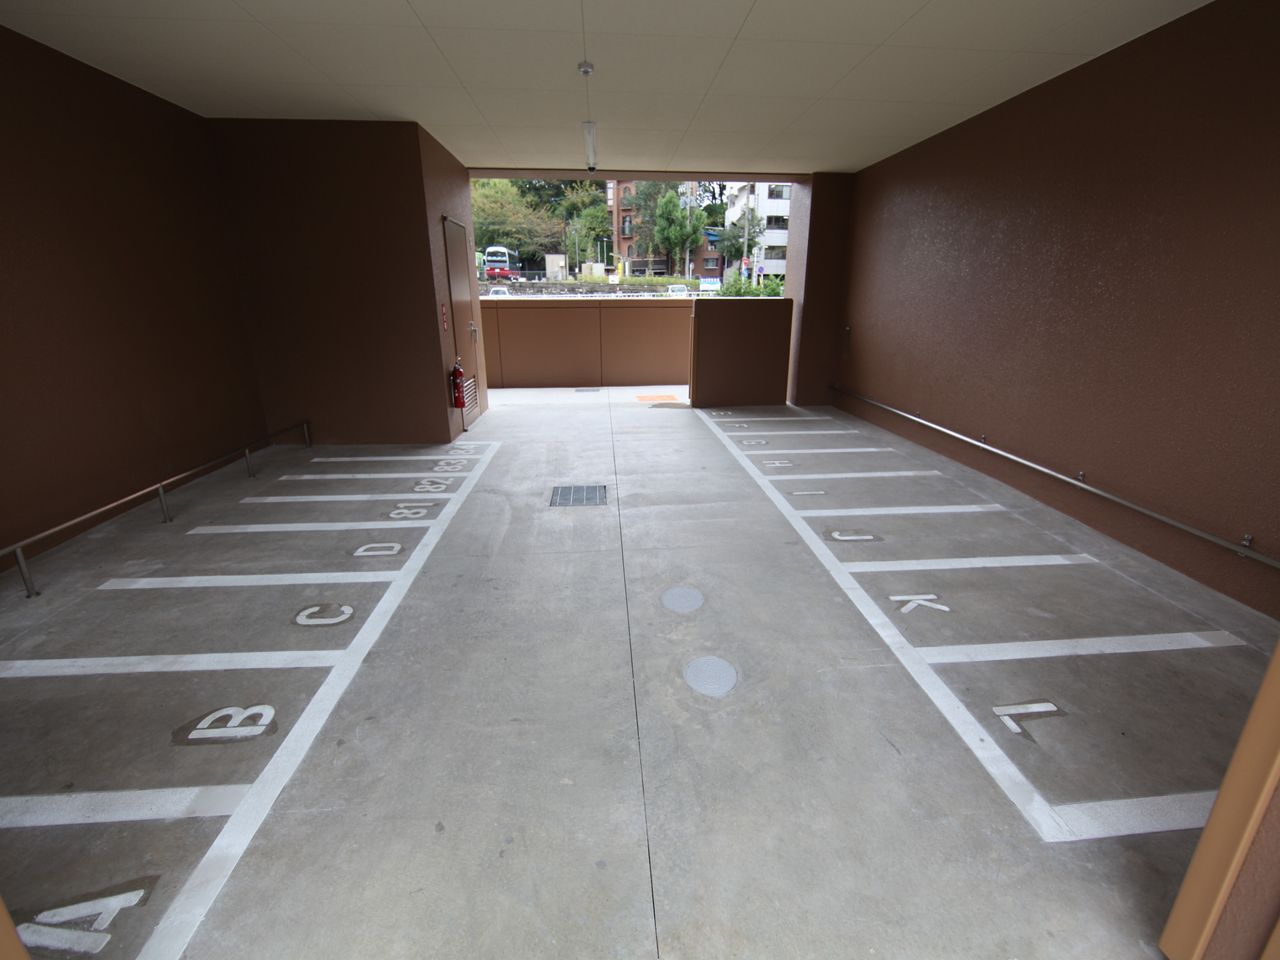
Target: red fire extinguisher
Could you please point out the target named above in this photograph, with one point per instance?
(456, 378)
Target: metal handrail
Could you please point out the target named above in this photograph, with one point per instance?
(157, 488)
(1244, 547)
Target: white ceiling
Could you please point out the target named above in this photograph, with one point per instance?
(711, 86)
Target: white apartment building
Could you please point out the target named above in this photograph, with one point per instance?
(772, 203)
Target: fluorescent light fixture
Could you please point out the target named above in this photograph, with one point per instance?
(589, 132)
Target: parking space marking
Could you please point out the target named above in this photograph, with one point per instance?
(445, 475)
(779, 433)
(1118, 818)
(855, 476)
(308, 527)
(249, 580)
(1076, 647)
(117, 806)
(1037, 811)
(968, 563)
(780, 418)
(433, 456)
(339, 497)
(168, 663)
(1053, 823)
(771, 453)
(171, 935)
(903, 511)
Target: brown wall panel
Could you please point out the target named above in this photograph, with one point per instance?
(645, 345)
(740, 351)
(124, 357)
(492, 344)
(1087, 275)
(550, 346)
(336, 270)
(446, 186)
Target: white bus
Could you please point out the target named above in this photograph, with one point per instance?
(501, 263)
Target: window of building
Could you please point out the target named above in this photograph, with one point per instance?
(626, 196)
(775, 253)
(631, 250)
(711, 244)
(710, 263)
(776, 223)
(626, 225)
(779, 191)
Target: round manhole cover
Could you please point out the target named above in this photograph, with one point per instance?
(682, 599)
(711, 676)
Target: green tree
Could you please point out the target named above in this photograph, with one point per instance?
(740, 237)
(678, 229)
(588, 228)
(648, 194)
(542, 193)
(503, 217)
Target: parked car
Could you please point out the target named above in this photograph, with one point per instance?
(498, 292)
(677, 290)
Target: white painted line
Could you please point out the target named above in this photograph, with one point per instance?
(372, 476)
(307, 527)
(1119, 818)
(1079, 647)
(117, 806)
(771, 453)
(903, 511)
(434, 456)
(968, 563)
(249, 580)
(174, 931)
(169, 663)
(337, 497)
(733, 419)
(1020, 791)
(778, 433)
(854, 476)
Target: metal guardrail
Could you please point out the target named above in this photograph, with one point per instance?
(1243, 547)
(157, 488)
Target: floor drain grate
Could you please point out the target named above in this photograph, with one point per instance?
(590, 495)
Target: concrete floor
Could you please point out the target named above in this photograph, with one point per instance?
(492, 751)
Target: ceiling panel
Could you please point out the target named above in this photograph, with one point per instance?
(472, 145)
(496, 59)
(356, 53)
(162, 9)
(706, 18)
(698, 85)
(653, 64)
(828, 21)
(1011, 75)
(747, 113)
(643, 111)
(912, 73)
(776, 68)
(429, 106)
(551, 16)
(291, 101)
(987, 24)
(385, 12)
(159, 54)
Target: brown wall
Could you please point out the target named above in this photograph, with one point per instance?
(333, 239)
(446, 187)
(740, 351)
(545, 342)
(1087, 274)
(171, 287)
(123, 358)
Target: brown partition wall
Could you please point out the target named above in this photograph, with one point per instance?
(1086, 274)
(740, 351)
(587, 342)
